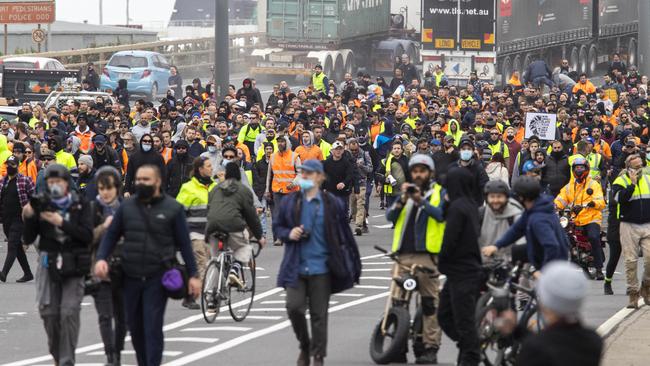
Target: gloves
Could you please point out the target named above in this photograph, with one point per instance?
(591, 204)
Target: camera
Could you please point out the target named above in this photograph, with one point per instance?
(41, 202)
(411, 189)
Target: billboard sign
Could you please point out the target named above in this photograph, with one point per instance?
(34, 12)
(441, 28)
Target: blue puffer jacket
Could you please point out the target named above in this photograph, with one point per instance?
(344, 262)
(546, 239)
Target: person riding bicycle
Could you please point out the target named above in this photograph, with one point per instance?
(419, 228)
(231, 211)
(498, 215)
(584, 196)
(545, 237)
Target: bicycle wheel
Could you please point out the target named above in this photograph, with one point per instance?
(210, 291)
(488, 336)
(385, 347)
(240, 299)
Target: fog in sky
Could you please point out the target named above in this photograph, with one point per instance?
(140, 11)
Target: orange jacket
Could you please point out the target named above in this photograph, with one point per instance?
(166, 154)
(587, 87)
(575, 193)
(284, 168)
(312, 152)
(28, 168)
(86, 139)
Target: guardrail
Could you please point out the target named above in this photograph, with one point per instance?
(186, 54)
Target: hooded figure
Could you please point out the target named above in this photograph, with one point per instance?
(213, 153)
(250, 93)
(179, 169)
(457, 134)
(147, 155)
(460, 260)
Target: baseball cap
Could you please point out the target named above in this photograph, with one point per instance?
(435, 142)
(12, 160)
(337, 144)
(349, 127)
(99, 139)
(313, 165)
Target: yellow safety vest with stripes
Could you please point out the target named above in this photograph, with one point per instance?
(641, 190)
(435, 229)
(388, 188)
(594, 160)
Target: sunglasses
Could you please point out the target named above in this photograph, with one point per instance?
(229, 156)
(494, 133)
(28, 152)
(181, 148)
(147, 141)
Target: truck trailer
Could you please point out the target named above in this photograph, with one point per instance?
(340, 35)
(497, 37)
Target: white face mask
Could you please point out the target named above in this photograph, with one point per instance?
(56, 190)
(212, 149)
(225, 162)
(146, 147)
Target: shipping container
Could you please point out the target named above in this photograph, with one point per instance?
(325, 24)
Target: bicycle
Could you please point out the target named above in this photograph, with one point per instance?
(396, 323)
(216, 289)
(499, 348)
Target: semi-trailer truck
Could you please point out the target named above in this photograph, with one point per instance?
(340, 35)
(497, 37)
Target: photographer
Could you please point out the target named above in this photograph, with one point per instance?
(64, 223)
(419, 228)
(15, 192)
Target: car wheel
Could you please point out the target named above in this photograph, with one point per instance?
(154, 92)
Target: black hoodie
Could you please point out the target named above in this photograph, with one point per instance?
(140, 158)
(459, 256)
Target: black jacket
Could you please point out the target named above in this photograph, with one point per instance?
(106, 157)
(260, 169)
(459, 256)
(479, 181)
(556, 174)
(179, 171)
(338, 171)
(138, 159)
(442, 161)
(562, 345)
(77, 229)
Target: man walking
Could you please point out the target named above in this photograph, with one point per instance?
(339, 173)
(311, 269)
(281, 176)
(15, 191)
(153, 225)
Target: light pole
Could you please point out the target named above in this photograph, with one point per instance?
(221, 49)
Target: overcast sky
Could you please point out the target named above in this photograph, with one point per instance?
(141, 11)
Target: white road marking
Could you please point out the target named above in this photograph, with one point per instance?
(268, 309)
(373, 256)
(343, 294)
(129, 352)
(85, 304)
(376, 270)
(376, 216)
(333, 302)
(191, 358)
(375, 278)
(262, 277)
(191, 339)
(212, 329)
(610, 324)
(18, 313)
(263, 317)
(268, 302)
(372, 287)
(168, 327)
(375, 263)
(385, 226)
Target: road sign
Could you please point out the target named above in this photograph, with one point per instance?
(38, 35)
(41, 12)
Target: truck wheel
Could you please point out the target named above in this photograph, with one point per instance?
(516, 65)
(506, 70)
(574, 59)
(592, 60)
(349, 64)
(583, 60)
(631, 52)
(339, 68)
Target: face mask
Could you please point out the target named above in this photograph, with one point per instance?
(12, 170)
(56, 190)
(212, 149)
(144, 191)
(225, 162)
(466, 155)
(305, 184)
(146, 147)
(510, 137)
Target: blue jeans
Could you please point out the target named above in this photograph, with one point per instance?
(144, 303)
(593, 235)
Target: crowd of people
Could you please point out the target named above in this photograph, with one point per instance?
(452, 165)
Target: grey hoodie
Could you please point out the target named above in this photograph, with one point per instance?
(495, 225)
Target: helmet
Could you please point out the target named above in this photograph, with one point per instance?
(529, 166)
(580, 168)
(526, 187)
(496, 186)
(421, 159)
(57, 171)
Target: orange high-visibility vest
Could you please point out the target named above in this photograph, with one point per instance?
(283, 165)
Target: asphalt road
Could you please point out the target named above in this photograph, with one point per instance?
(264, 338)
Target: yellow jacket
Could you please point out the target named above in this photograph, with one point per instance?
(575, 193)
